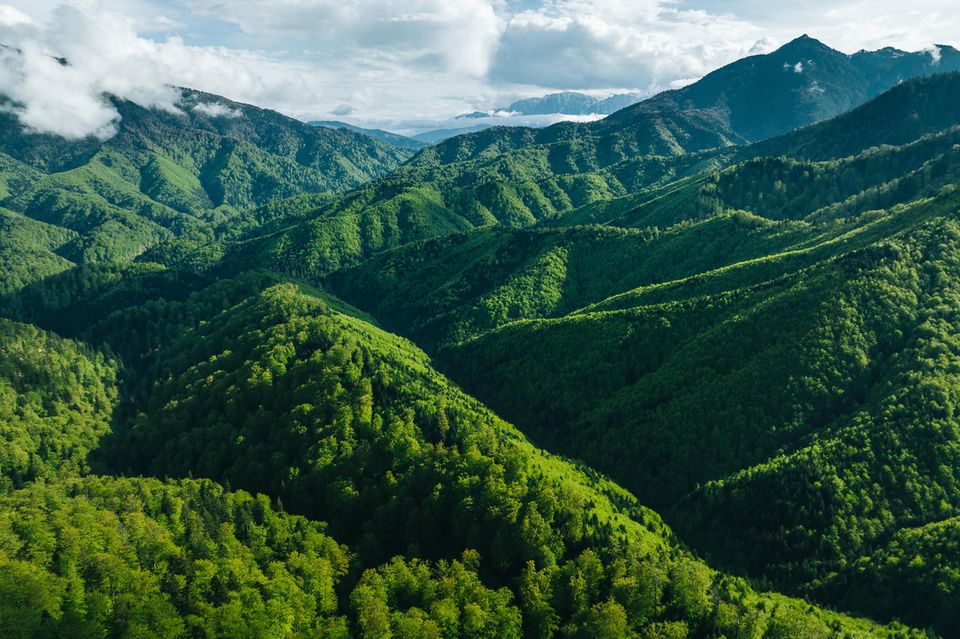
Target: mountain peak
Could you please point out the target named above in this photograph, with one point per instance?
(804, 42)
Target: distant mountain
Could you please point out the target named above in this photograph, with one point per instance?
(753, 99)
(439, 135)
(393, 139)
(616, 102)
(802, 82)
(567, 103)
(760, 96)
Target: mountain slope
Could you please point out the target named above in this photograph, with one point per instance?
(167, 175)
(802, 82)
(341, 420)
(778, 381)
(612, 173)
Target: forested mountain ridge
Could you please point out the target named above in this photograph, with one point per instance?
(576, 180)
(182, 174)
(211, 431)
(268, 386)
(393, 139)
(791, 358)
(802, 82)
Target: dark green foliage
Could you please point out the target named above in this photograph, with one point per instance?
(914, 573)
(668, 396)
(449, 290)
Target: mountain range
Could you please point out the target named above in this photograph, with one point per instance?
(689, 371)
(812, 81)
(392, 139)
(566, 102)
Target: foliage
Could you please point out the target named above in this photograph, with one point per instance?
(56, 398)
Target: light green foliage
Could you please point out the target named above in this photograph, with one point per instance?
(141, 558)
(56, 398)
(347, 423)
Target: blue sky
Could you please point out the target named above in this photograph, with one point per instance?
(386, 62)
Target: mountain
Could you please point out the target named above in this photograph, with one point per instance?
(802, 82)
(616, 102)
(631, 175)
(572, 103)
(749, 100)
(567, 103)
(644, 378)
(393, 139)
(168, 175)
(439, 135)
(761, 352)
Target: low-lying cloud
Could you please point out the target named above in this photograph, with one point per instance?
(57, 75)
(216, 110)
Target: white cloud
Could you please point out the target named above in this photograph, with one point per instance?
(11, 16)
(216, 110)
(452, 35)
(435, 70)
(106, 56)
(640, 44)
(57, 73)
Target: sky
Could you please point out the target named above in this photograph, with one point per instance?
(390, 63)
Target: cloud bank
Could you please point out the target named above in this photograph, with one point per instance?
(57, 74)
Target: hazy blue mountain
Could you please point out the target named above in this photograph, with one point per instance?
(439, 135)
(566, 102)
(393, 139)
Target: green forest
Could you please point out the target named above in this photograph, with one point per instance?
(682, 373)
